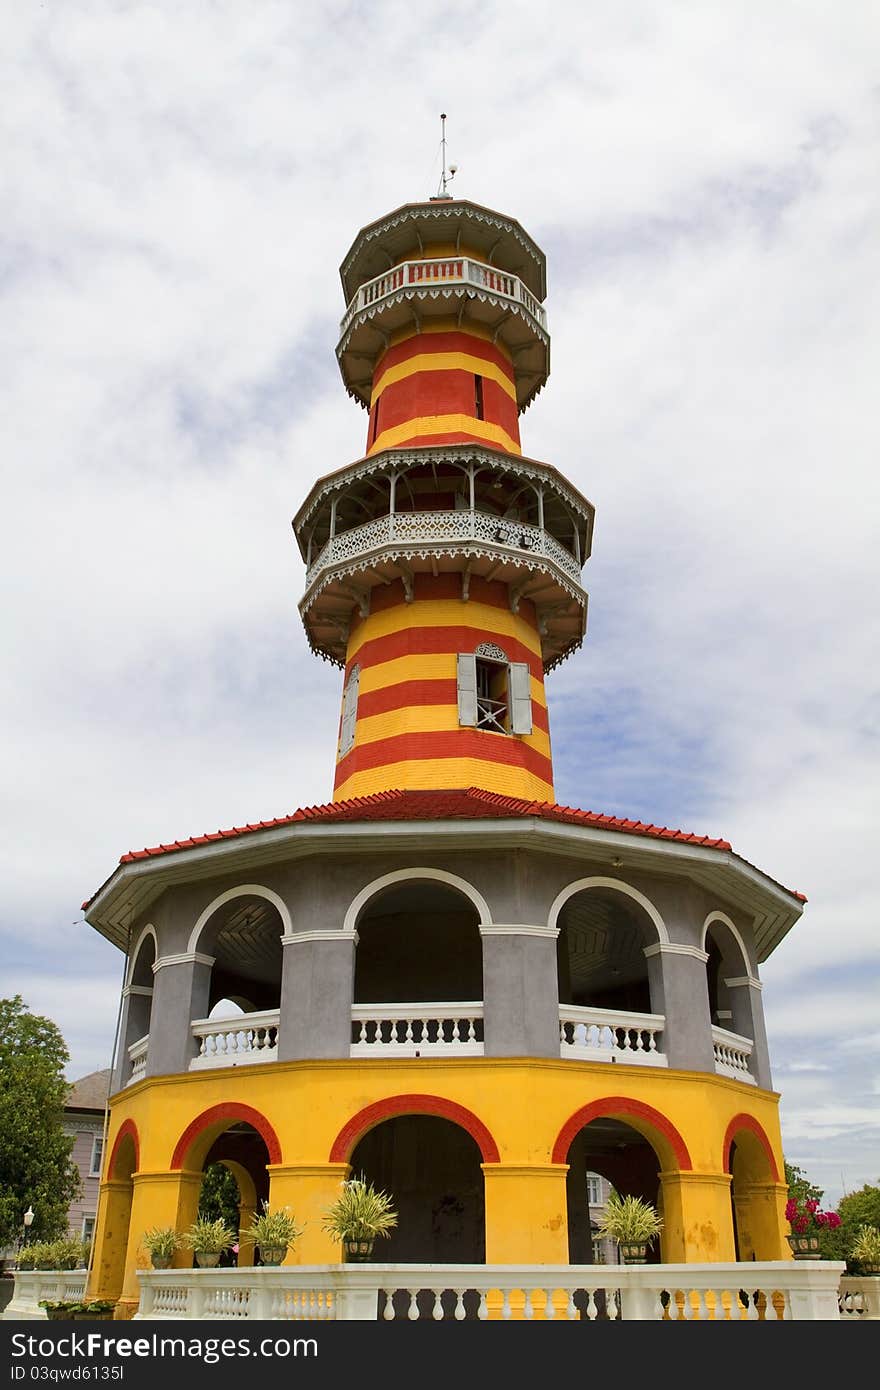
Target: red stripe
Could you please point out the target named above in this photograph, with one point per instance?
(408, 694)
(443, 342)
(429, 641)
(445, 743)
(450, 392)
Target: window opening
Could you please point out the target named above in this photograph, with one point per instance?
(478, 397)
(95, 1160)
(492, 695)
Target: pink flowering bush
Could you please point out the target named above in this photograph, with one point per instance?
(805, 1218)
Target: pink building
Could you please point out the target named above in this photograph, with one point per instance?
(84, 1119)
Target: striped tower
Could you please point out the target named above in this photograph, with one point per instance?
(443, 567)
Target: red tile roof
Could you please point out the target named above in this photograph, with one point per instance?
(471, 803)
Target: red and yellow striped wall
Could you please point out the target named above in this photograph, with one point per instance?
(443, 386)
(407, 733)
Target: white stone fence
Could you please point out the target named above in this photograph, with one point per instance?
(773, 1291)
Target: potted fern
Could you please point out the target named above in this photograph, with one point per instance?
(207, 1240)
(274, 1232)
(358, 1216)
(866, 1249)
(160, 1243)
(632, 1223)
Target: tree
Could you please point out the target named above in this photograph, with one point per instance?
(860, 1208)
(36, 1169)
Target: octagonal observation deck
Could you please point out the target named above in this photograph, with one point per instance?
(443, 259)
(458, 508)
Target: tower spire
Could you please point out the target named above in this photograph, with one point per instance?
(446, 175)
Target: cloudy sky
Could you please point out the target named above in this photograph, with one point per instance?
(179, 184)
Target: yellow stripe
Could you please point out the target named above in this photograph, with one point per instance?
(429, 719)
(487, 621)
(445, 424)
(442, 773)
(435, 666)
(443, 362)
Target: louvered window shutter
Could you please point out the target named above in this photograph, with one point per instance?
(520, 698)
(349, 712)
(467, 689)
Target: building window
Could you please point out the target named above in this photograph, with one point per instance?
(598, 1252)
(594, 1190)
(494, 694)
(478, 397)
(375, 419)
(349, 711)
(95, 1160)
(88, 1228)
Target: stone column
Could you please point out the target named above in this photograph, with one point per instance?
(748, 1020)
(526, 1213)
(159, 1199)
(308, 1189)
(760, 1220)
(317, 989)
(181, 994)
(677, 975)
(520, 991)
(697, 1218)
(134, 1023)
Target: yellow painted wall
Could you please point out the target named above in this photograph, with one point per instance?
(524, 1104)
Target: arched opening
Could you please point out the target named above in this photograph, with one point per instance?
(235, 1182)
(753, 1191)
(601, 951)
(606, 982)
(117, 1195)
(243, 935)
(418, 944)
(607, 1153)
(139, 1012)
(242, 1141)
(727, 967)
(431, 1168)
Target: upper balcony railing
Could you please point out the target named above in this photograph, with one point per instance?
(414, 276)
(732, 1054)
(442, 527)
(435, 1029)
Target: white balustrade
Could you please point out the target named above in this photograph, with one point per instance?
(137, 1055)
(442, 528)
(732, 1054)
(417, 1030)
(858, 1298)
(608, 1035)
(754, 1291)
(32, 1285)
(233, 1042)
(413, 277)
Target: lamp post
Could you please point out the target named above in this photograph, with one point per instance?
(26, 1222)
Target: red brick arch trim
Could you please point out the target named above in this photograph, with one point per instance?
(373, 1115)
(127, 1130)
(748, 1122)
(230, 1110)
(617, 1107)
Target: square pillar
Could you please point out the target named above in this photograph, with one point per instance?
(697, 1218)
(308, 1189)
(520, 991)
(317, 989)
(526, 1214)
(181, 994)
